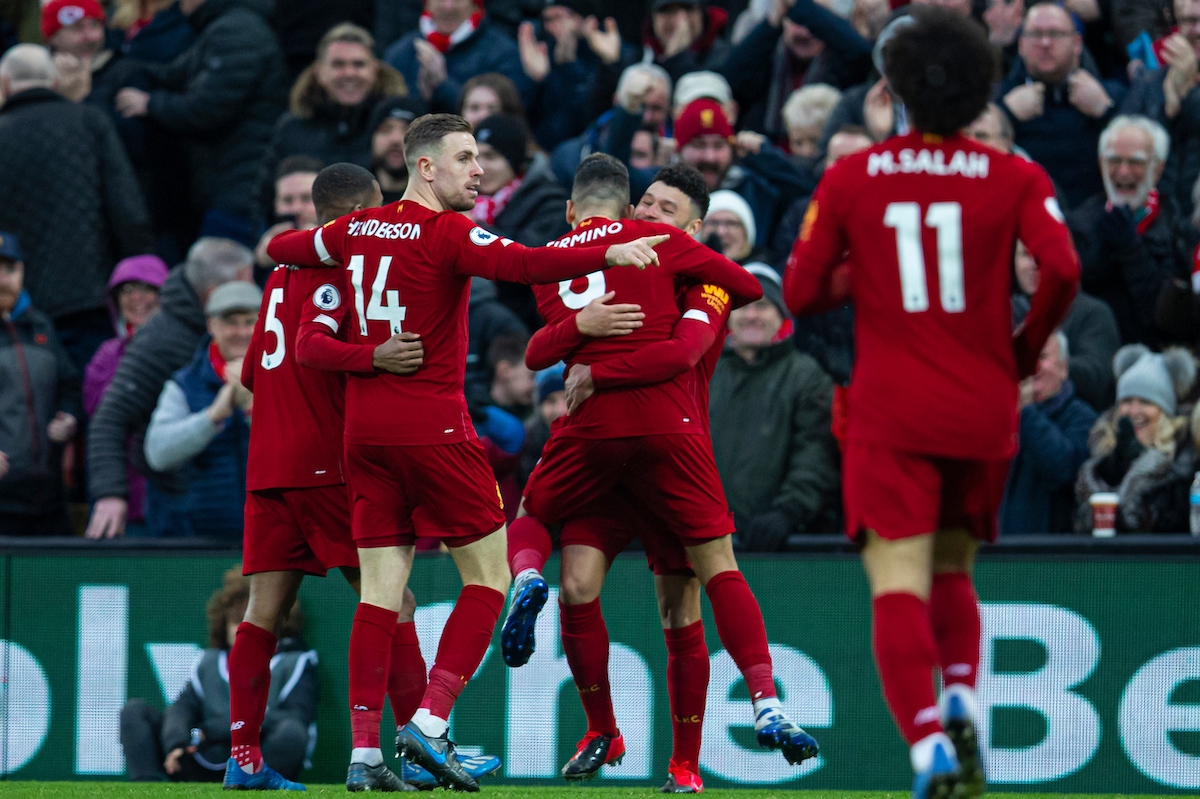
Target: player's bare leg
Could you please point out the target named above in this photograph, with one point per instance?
(743, 633)
(687, 677)
(425, 740)
(900, 574)
(585, 644)
(272, 594)
(384, 579)
(954, 614)
(528, 551)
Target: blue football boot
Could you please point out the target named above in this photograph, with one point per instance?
(959, 723)
(941, 779)
(774, 730)
(268, 779)
(478, 766)
(516, 639)
(435, 755)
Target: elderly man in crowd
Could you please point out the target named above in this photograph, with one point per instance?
(769, 410)
(729, 228)
(1054, 431)
(1057, 107)
(805, 114)
(166, 344)
(39, 403)
(330, 108)
(1127, 236)
(62, 165)
(222, 96)
(201, 424)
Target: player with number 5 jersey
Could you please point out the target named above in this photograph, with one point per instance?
(920, 232)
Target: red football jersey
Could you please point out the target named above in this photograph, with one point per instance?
(929, 226)
(299, 418)
(665, 408)
(409, 268)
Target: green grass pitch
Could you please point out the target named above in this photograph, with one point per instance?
(117, 790)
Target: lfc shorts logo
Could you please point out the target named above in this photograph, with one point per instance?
(693, 719)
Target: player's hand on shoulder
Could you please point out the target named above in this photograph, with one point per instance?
(402, 354)
(1027, 101)
(639, 252)
(579, 386)
(598, 319)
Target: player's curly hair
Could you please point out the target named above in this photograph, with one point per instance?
(687, 179)
(941, 67)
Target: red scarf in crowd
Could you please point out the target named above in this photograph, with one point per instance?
(214, 358)
(443, 42)
(488, 208)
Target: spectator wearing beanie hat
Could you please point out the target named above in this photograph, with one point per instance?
(389, 122)
(749, 165)
(769, 410)
(518, 198)
(453, 42)
(729, 227)
(1136, 445)
(75, 33)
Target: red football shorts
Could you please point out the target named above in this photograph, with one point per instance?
(610, 526)
(304, 529)
(902, 494)
(400, 493)
(674, 476)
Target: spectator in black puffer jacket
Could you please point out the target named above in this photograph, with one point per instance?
(329, 111)
(165, 344)
(1129, 237)
(39, 405)
(70, 195)
(223, 97)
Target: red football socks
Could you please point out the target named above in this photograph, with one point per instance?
(585, 643)
(249, 686)
(528, 545)
(464, 642)
(905, 654)
(406, 673)
(742, 632)
(687, 689)
(370, 654)
(954, 614)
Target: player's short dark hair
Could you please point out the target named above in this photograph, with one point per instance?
(601, 179)
(687, 179)
(942, 68)
(507, 348)
(339, 187)
(425, 135)
(298, 164)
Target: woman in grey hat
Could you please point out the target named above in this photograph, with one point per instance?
(1135, 444)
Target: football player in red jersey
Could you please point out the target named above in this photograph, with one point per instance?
(678, 197)
(409, 441)
(652, 442)
(297, 505)
(929, 221)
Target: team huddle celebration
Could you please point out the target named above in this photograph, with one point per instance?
(508, 287)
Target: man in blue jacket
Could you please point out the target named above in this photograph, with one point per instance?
(1054, 431)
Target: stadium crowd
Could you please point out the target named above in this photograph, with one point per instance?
(150, 150)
